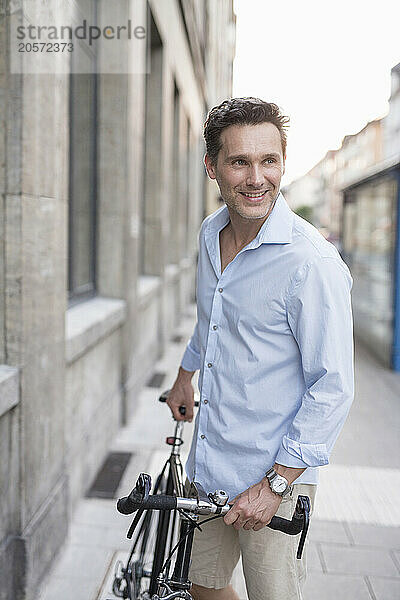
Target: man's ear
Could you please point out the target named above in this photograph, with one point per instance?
(284, 165)
(210, 167)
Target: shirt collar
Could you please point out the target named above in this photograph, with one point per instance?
(277, 229)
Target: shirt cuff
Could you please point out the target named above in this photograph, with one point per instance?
(190, 360)
(297, 455)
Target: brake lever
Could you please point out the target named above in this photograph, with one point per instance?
(140, 493)
(303, 508)
(143, 486)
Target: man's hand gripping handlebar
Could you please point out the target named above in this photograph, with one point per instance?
(199, 503)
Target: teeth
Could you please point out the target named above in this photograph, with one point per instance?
(253, 195)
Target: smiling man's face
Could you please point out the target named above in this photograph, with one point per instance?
(249, 168)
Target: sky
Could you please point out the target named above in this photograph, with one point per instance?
(326, 64)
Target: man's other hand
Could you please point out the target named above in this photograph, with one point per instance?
(253, 508)
(182, 394)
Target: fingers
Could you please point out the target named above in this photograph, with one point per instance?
(237, 520)
(175, 411)
(230, 517)
(249, 525)
(181, 394)
(240, 517)
(189, 409)
(176, 401)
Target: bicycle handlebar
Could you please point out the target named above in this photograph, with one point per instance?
(140, 499)
(128, 505)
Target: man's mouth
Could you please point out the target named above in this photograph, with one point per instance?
(254, 195)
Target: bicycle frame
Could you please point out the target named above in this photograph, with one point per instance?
(178, 584)
(175, 486)
(190, 506)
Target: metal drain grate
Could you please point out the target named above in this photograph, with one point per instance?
(108, 478)
(177, 339)
(156, 380)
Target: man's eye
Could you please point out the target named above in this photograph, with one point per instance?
(239, 162)
(270, 160)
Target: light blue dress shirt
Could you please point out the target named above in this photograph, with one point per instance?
(274, 345)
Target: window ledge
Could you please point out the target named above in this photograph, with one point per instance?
(186, 263)
(88, 322)
(9, 388)
(148, 285)
(171, 272)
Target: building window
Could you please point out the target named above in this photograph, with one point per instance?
(369, 237)
(188, 185)
(150, 217)
(82, 175)
(173, 238)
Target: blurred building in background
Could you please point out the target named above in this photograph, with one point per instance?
(103, 191)
(354, 196)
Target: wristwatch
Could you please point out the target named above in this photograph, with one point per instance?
(279, 484)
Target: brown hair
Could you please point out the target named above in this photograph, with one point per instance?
(241, 111)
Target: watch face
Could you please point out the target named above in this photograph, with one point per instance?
(279, 485)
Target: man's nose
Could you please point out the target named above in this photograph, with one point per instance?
(255, 176)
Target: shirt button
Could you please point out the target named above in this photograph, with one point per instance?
(202, 436)
(209, 365)
(220, 290)
(215, 327)
(205, 401)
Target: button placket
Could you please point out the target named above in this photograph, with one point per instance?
(208, 373)
(212, 341)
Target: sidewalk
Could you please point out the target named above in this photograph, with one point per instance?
(354, 550)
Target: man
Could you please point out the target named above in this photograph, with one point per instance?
(274, 346)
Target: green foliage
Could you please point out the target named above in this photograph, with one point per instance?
(306, 212)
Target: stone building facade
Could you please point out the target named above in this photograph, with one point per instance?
(102, 194)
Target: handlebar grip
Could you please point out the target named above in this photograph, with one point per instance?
(126, 505)
(292, 527)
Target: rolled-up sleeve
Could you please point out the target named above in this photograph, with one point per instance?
(320, 318)
(191, 358)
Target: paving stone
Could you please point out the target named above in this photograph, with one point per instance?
(321, 586)
(71, 589)
(328, 531)
(375, 535)
(102, 513)
(396, 558)
(102, 537)
(385, 588)
(106, 592)
(356, 560)
(77, 562)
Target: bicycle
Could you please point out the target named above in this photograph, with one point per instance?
(147, 573)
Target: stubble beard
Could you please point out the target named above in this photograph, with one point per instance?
(236, 206)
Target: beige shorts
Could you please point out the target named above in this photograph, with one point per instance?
(271, 569)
